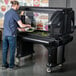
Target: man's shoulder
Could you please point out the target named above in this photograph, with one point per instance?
(9, 12)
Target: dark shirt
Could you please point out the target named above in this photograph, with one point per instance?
(10, 23)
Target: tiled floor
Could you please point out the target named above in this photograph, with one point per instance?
(37, 65)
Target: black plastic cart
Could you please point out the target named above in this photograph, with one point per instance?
(60, 28)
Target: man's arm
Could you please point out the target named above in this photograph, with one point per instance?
(23, 25)
(18, 20)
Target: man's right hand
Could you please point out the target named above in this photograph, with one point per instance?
(23, 25)
(27, 25)
(21, 29)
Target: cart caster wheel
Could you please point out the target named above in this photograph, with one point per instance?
(60, 65)
(17, 61)
(49, 70)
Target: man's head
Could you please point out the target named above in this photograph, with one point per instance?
(15, 5)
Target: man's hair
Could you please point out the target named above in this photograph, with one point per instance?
(14, 2)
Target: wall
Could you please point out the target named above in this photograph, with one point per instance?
(57, 3)
(40, 19)
(73, 5)
(64, 3)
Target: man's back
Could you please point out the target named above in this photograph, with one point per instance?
(10, 22)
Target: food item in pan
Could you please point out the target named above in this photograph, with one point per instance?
(29, 29)
(26, 29)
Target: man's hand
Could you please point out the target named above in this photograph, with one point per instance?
(21, 29)
(23, 25)
(28, 26)
(22, 13)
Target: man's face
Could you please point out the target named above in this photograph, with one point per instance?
(17, 7)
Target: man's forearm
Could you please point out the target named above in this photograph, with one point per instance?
(23, 25)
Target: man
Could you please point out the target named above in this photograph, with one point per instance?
(11, 20)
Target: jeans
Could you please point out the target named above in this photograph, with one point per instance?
(9, 43)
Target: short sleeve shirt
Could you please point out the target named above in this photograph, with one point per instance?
(10, 23)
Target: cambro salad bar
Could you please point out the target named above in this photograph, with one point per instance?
(60, 27)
